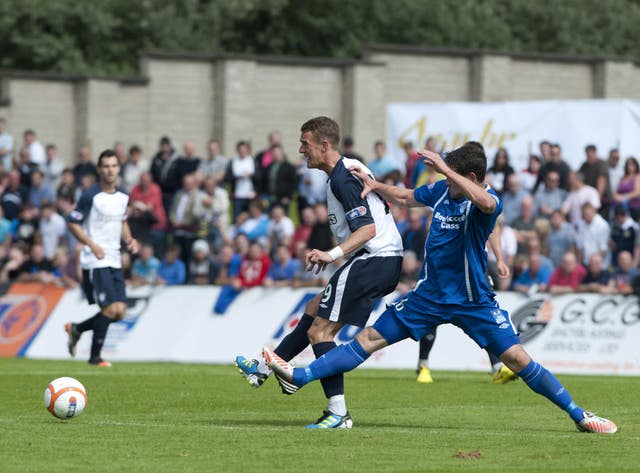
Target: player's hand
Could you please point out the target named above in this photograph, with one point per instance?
(503, 270)
(97, 251)
(433, 160)
(317, 260)
(367, 181)
(133, 246)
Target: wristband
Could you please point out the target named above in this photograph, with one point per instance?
(336, 252)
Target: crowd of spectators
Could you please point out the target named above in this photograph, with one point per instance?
(249, 219)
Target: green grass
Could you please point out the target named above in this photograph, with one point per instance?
(154, 417)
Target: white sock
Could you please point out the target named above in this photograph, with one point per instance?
(423, 364)
(262, 367)
(338, 405)
(496, 367)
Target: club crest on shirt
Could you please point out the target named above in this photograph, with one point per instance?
(332, 219)
(355, 213)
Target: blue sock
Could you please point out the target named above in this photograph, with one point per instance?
(540, 380)
(332, 385)
(339, 360)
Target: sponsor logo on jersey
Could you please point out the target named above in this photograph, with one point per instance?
(360, 211)
(76, 215)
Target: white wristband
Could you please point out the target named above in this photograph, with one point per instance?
(336, 253)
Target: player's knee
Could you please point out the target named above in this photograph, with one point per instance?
(515, 358)
(370, 340)
(312, 306)
(318, 334)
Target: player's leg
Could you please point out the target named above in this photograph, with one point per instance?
(500, 374)
(426, 344)
(74, 331)
(256, 372)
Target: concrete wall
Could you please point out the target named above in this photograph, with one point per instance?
(198, 97)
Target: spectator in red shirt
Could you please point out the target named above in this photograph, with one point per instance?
(147, 195)
(567, 276)
(304, 229)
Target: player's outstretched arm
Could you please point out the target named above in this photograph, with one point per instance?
(474, 192)
(397, 195)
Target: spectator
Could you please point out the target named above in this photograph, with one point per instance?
(424, 174)
(264, 158)
(381, 164)
(545, 151)
(35, 150)
(627, 193)
(529, 176)
(185, 164)
(348, 149)
(304, 278)
(411, 161)
(65, 269)
(216, 164)
(281, 228)
(203, 268)
(283, 270)
(624, 274)
(509, 247)
(53, 167)
(27, 224)
(37, 268)
(86, 182)
(566, 277)
(597, 278)
(596, 174)
(118, 149)
(279, 179)
(616, 171)
(302, 231)
(14, 264)
(133, 168)
(579, 195)
(141, 219)
(187, 213)
(535, 248)
(85, 166)
(172, 270)
(512, 198)
(40, 193)
(6, 146)
(593, 235)
(149, 194)
(534, 278)
(498, 174)
(561, 238)
(549, 197)
(26, 168)
(144, 271)
(161, 165)
(5, 230)
(67, 187)
(312, 187)
(15, 195)
(414, 237)
(624, 233)
(523, 224)
(217, 205)
(52, 228)
(557, 164)
(321, 236)
(241, 173)
(256, 226)
(229, 263)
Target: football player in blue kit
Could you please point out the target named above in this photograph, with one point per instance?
(368, 238)
(99, 222)
(454, 288)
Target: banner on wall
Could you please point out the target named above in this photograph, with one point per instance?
(574, 333)
(518, 126)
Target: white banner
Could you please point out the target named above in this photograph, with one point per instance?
(577, 333)
(518, 126)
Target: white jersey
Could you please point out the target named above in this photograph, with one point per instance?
(348, 211)
(101, 214)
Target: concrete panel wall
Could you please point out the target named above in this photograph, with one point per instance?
(132, 119)
(538, 80)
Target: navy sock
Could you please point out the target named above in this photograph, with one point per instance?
(332, 385)
(296, 341)
(339, 360)
(540, 380)
(87, 324)
(426, 344)
(100, 327)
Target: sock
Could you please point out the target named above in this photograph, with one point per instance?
(339, 360)
(338, 405)
(496, 364)
(332, 385)
(540, 380)
(100, 327)
(296, 341)
(426, 344)
(87, 324)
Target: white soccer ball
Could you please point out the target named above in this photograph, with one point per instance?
(65, 398)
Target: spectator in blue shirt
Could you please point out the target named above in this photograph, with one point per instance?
(534, 278)
(381, 164)
(145, 268)
(283, 269)
(172, 270)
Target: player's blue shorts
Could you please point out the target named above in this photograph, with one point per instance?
(489, 326)
(104, 286)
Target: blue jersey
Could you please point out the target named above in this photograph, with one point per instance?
(455, 263)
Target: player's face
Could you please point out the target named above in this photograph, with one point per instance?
(108, 170)
(311, 149)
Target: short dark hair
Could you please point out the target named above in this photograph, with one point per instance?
(590, 148)
(107, 153)
(468, 158)
(165, 140)
(135, 149)
(323, 128)
(241, 143)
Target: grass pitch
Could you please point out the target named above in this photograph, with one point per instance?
(156, 417)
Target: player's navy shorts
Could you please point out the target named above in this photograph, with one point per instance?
(357, 285)
(103, 286)
(413, 316)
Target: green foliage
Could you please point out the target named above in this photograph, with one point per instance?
(105, 36)
(165, 417)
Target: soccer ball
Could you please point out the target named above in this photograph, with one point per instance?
(65, 398)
